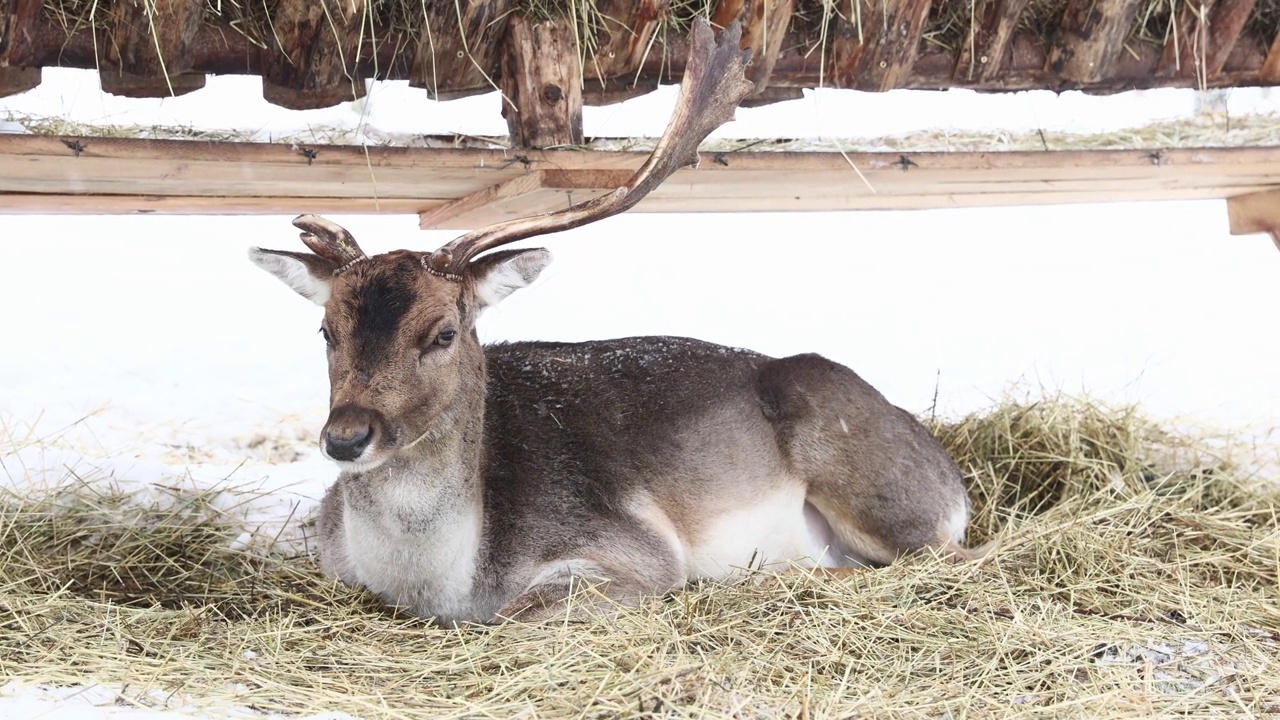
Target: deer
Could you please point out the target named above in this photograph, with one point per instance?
(484, 483)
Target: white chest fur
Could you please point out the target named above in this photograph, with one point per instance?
(416, 547)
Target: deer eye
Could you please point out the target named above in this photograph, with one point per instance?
(324, 332)
(445, 338)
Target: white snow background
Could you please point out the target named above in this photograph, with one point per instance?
(148, 350)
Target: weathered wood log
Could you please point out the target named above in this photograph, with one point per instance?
(458, 47)
(984, 53)
(764, 26)
(1090, 38)
(222, 49)
(19, 21)
(19, 69)
(136, 86)
(18, 80)
(1226, 21)
(152, 38)
(540, 76)
(875, 43)
(1270, 71)
(318, 65)
(1186, 49)
(618, 38)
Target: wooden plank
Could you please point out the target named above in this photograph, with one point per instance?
(539, 201)
(489, 167)
(33, 204)
(984, 54)
(1255, 213)
(466, 188)
(502, 192)
(542, 94)
(1090, 38)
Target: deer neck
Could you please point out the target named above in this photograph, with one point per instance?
(432, 487)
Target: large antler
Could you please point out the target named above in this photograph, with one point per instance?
(713, 86)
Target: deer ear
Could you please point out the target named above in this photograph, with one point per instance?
(311, 276)
(499, 274)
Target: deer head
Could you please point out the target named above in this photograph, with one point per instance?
(405, 364)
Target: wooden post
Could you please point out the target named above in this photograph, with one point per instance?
(875, 44)
(764, 24)
(1255, 213)
(17, 24)
(1090, 38)
(984, 54)
(150, 47)
(320, 39)
(542, 97)
(458, 47)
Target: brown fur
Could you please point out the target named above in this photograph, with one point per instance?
(487, 480)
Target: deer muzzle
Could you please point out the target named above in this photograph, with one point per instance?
(350, 433)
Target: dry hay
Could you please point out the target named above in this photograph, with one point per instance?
(1138, 574)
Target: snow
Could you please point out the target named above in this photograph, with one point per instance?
(148, 350)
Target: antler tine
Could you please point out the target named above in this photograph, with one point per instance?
(329, 240)
(713, 86)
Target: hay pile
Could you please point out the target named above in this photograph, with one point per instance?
(1139, 575)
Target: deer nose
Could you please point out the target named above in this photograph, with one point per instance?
(347, 434)
(347, 444)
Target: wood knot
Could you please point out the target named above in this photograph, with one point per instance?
(552, 94)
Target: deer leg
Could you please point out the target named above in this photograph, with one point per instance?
(875, 475)
(636, 563)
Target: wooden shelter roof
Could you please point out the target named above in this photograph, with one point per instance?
(314, 53)
(550, 57)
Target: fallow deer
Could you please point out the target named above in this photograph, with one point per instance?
(480, 483)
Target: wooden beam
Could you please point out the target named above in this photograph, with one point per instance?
(874, 46)
(1090, 38)
(764, 26)
(457, 50)
(1226, 21)
(35, 204)
(451, 211)
(542, 95)
(622, 36)
(1255, 213)
(983, 55)
(317, 68)
(468, 188)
